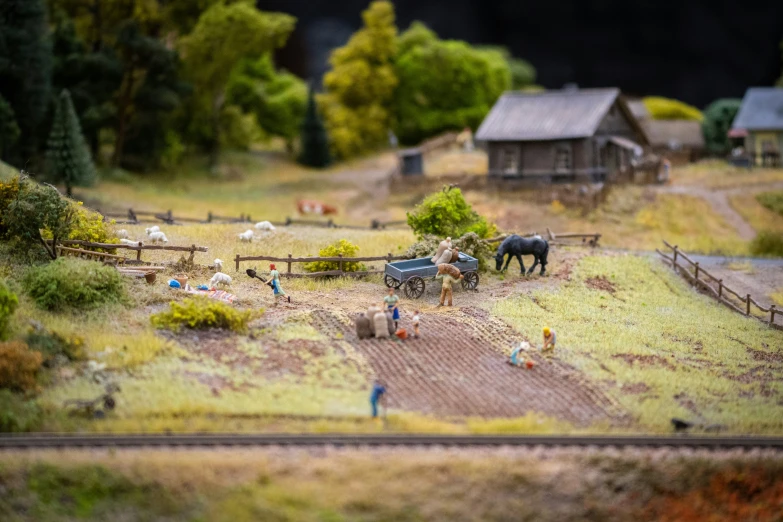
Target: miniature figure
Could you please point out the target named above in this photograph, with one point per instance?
(377, 395)
(278, 290)
(521, 346)
(517, 246)
(392, 303)
(415, 321)
(446, 273)
(549, 339)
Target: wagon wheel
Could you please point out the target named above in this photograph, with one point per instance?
(391, 282)
(109, 403)
(414, 287)
(470, 281)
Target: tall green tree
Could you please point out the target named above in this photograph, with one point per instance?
(444, 85)
(223, 37)
(360, 87)
(9, 130)
(718, 117)
(25, 72)
(314, 140)
(523, 74)
(278, 99)
(68, 157)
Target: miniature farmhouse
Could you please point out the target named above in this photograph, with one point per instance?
(421, 241)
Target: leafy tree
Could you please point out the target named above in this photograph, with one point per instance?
(718, 117)
(9, 129)
(359, 95)
(36, 209)
(223, 37)
(447, 214)
(67, 154)
(668, 109)
(523, 74)
(277, 98)
(92, 78)
(25, 71)
(445, 84)
(315, 142)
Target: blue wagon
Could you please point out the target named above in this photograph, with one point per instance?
(413, 272)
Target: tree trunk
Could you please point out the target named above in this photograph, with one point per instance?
(217, 106)
(51, 251)
(122, 115)
(68, 190)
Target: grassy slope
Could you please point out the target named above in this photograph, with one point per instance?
(759, 217)
(720, 174)
(438, 485)
(663, 351)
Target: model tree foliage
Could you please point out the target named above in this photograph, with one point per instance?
(667, 109)
(68, 157)
(25, 69)
(224, 36)
(447, 214)
(718, 117)
(277, 98)
(38, 209)
(523, 74)
(359, 95)
(314, 140)
(444, 85)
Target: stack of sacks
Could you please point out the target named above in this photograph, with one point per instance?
(374, 323)
(444, 245)
(363, 330)
(371, 312)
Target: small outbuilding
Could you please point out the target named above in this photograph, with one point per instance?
(568, 135)
(759, 123)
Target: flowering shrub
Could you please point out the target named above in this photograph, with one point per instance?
(344, 247)
(200, 313)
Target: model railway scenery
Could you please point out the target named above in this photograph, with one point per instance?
(379, 260)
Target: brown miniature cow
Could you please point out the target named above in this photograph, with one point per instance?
(315, 207)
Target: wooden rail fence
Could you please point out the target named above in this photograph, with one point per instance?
(587, 239)
(138, 248)
(714, 286)
(290, 260)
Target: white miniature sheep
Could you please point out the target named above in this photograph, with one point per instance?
(122, 233)
(265, 225)
(220, 279)
(158, 237)
(152, 230)
(218, 265)
(129, 242)
(246, 236)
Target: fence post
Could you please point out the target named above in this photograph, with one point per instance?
(288, 221)
(747, 305)
(192, 253)
(249, 220)
(236, 260)
(169, 217)
(341, 261)
(138, 253)
(674, 265)
(720, 288)
(771, 314)
(697, 270)
(209, 217)
(289, 263)
(330, 223)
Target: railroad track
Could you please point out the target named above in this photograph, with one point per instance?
(377, 440)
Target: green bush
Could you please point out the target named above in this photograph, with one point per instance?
(8, 303)
(767, 243)
(200, 313)
(18, 414)
(9, 190)
(718, 117)
(53, 345)
(344, 247)
(772, 200)
(73, 283)
(668, 109)
(447, 214)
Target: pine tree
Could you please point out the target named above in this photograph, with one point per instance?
(68, 156)
(25, 71)
(315, 142)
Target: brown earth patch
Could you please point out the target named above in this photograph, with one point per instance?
(601, 283)
(651, 360)
(635, 388)
(770, 357)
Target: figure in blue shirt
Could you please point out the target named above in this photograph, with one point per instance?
(378, 389)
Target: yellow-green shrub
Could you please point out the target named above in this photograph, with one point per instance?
(9, 189)
(342, 247)
(667, 109)
(89, 226)
(200, 313)
(8, 303)
(18, 366)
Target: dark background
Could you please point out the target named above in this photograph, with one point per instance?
(692, 50)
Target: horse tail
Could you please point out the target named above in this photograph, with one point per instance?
(545, 254)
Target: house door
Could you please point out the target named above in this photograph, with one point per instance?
(766, 147)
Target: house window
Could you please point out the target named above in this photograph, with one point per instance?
(508, 161)
(563, 159)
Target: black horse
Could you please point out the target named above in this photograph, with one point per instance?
(517, 246)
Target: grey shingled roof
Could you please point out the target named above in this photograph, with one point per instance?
(638, 109)
(665, 133)
(761, 109)
(549, 115)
